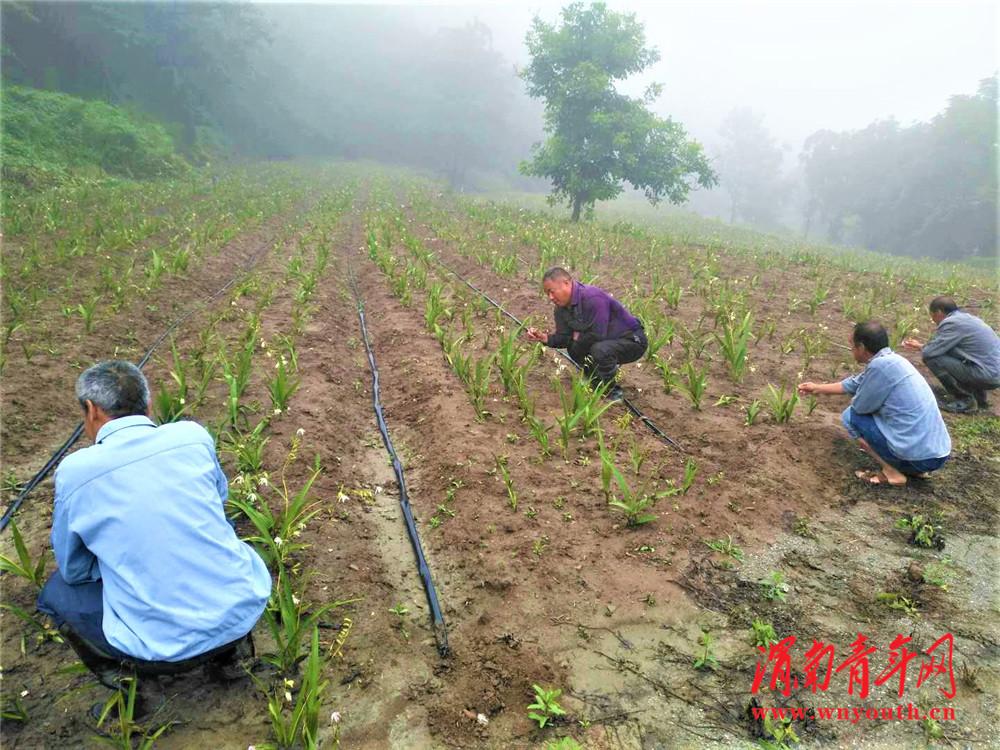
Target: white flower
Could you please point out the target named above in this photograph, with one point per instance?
(295, 600)
(277, 541)
(335, 717)
(263, 344)
(288, 696)
(262, 482)
(481, 720)
(277, 411)
(343, 497)
(300, 432)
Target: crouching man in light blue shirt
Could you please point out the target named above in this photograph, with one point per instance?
(150, 570)
(893, 415)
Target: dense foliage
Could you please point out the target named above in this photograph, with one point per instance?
(598, 138)
(47, 135)
(928, 189)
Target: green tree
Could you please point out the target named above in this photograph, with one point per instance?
(598, 139)
(750, 167)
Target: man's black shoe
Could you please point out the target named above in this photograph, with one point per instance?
(614, 394)
(960, 406)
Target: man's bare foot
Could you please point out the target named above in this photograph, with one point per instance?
(881, 477)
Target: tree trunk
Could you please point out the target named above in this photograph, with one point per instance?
(577, 204)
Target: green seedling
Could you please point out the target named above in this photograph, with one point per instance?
(753, 409)
(924, 534)
(694, 383)
(281, 386)
(540, 431)
(734, 343)
(762, 634)
(546, 708)
(726, 547)
(501, 462)
(295, 720)
(706, 658)
(690, 472)
(670, 377)
(775, 586)
(125, 732)
(782, 405)
(938, 574)
(24, 567)
(894, 600)
(781, 733)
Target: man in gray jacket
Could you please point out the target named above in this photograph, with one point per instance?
(964, 355)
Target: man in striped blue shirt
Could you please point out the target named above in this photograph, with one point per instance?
(893, 415)
(150, 570)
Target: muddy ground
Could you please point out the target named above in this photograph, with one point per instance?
(559, 593)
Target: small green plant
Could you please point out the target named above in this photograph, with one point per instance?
(894, 600)
(501, 462)
(690, 472)
(781, 404)
(299, 726)
(635, 503)
(780, 731)
(753, 409)
(126, 733)
(582, 408)
(734, 343)
(546, 708)
(726, 547)
(400, 610)
(667, 374)
(762, 634)
(706, 658)
(811, 403)
(938, 574)
(281, 386)
(540, 431)
(478, 385)
(659, 338)
(775, 586)
(24, 566)
(87, 311)
(694, 384)
(923, 532)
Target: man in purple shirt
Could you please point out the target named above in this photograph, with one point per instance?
(593, 327)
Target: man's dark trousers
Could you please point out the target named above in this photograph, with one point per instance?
(961, 378)
(600, 359)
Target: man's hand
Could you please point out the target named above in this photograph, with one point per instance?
(807, 388)
(534, 334)
(913, 344)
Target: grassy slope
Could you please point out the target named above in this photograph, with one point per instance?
(49, 138)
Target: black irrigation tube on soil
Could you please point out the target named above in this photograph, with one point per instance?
(437, 619)
(628, 404)
(58, 455)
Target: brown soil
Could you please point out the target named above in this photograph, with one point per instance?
(559, 593)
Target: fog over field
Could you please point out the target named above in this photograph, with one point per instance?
(862, 124)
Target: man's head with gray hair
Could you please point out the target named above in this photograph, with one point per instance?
(116, 387)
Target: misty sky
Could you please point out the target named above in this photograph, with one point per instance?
(804, 66)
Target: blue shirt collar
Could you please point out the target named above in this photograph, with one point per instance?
(883, 351)
(116, 425)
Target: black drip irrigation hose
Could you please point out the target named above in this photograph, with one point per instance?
(625, 401)
(437, 619)
(62, 450)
